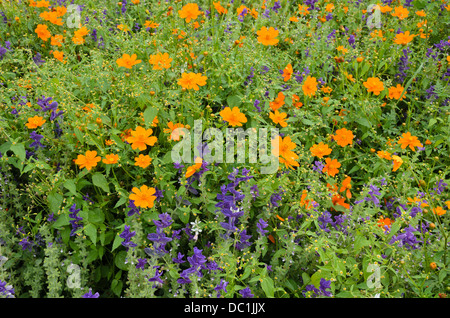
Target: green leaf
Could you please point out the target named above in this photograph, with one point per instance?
(99, 180)
(70, 185)
(117, 242)
(119, 260)
(91, 231)
(267, 286)
(233, 101)
(442, 275)
(54, 200)
(315, 279)
(184, 214)
(62, 220)
(19, 151)
(149, 115)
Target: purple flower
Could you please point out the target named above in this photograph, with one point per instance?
(243, 242)
(36, 144)
(26, 245)
(141, 263)
(179, 259)
(246, 293)
(157, 277)
(324, 285)
(76, 219)
(222, 286)
(6, 291)
(90, 295)
(127, 235)
(261, 225)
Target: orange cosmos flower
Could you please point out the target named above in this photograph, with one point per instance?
(60, 11)
(346, 186)
(219, 8)
(35, 122)
(59, 56)
(111, 159)
(284, 151)
(89, 160)
(287, 72)
(320, 150)
(192, 80)
(278, 102)
(57, 40)
(42, 32)
(374, 85)
(343, 137)
(331, 167)
(400, 12)
(382, 222)
(408, 140)
(337, 199)
(278, 118)
(151, 24)
(140, 138)
(234, 117)
(267, 36)
(309, 87)
(404, 38)
(52, 17)
(384, 154)
(417, 201)
(143, 161)
(397, 162)
(396, 92)
(128, 61)
(143, 197)
(296, 101)
(189, 12)
(439, 211)
(303, 10)
(160, 61)
(193, 169)
(174, 134)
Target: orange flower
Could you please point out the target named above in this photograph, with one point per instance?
(193, 169)
(111, 159)
(296, 101)
(52, 17)
(346, 186)
(192, 80)
(89, 160)
(384, 154)
(42, 32)
(373, 84)
(337, 199)
(400, 12)
(143, 197)
(397, 162)
(408, 140)
(143, 161)
(396, 92)
(310, 86)
(128, 61)
(160, 61)
(57, 40)
(417, 201)
(278, 102)
(303, 10)
(151, 24)
(382, 222)
(343, 137)
(439, 211)
(140, 138)
(174, 134)
(331, 167)
(219, 8)
(320, 150)
(234, 117)
(267, 36)
(403, 38)
(278, 118)
(59, 56)
(189, 12)
(79, 34)
(284, 151)
(287, 72)
(35, 122)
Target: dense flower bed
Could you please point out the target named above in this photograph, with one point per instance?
(327, 175)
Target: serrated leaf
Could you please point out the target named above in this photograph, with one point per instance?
(99, 180)
(91, 231)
